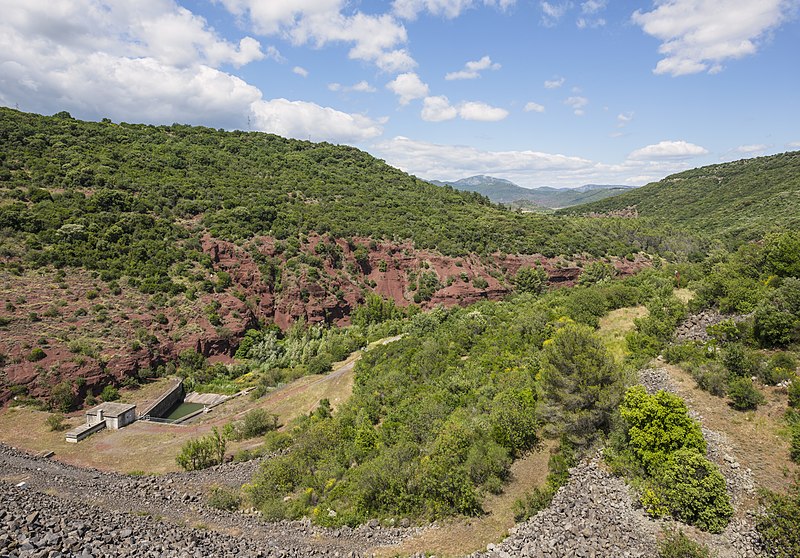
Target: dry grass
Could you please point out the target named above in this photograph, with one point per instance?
(759, 438)
(615, 325)
(151, 447)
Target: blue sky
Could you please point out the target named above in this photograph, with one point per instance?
(558, 93)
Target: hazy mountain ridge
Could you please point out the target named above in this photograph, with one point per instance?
(500, 190)
(737, 200)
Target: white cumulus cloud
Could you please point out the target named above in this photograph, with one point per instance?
(147, 61)
(552, 12)
(438, 109)
(408, 87)
(668, 150)
(474, 110)
(473, 69)
(304, 120)
(699, 35)
(533, 107)
(623, 119)
(577, 103)
(554, 83)
(793, 145)
(300, 71)
(360, 87)
(751, 149)
(374, 38)
(409, 9)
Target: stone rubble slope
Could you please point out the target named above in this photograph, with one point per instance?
(595, 514)
(175, 499)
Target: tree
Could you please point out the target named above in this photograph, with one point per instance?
(581, 384)
(530, 279)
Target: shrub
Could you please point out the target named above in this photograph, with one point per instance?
(56, 423)
(223, 498)
(713, 378)
(744, 395)
(532, 503)
(62, 397)
(691, 489)
(736, 360)
(480, 283)
(778, 525)
(794, 449)
(677, 545)
(36, 354)
(201, 453)
(772, 327)
(254, 423)
(658, 425)
(109, 393)
(794, 393)
(530, 280)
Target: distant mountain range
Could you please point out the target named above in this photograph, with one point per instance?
(504, 191)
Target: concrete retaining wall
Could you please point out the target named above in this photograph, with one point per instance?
(167, 401)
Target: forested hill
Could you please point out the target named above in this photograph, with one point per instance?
(738, 200)
(57, 170)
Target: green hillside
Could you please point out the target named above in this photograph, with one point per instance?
(738, 200)
(133, 199)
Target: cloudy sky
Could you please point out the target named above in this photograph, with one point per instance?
(558, 93)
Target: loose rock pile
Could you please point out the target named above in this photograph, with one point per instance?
(33, 524)
(694, 327)
(174, 499)
(592, 515)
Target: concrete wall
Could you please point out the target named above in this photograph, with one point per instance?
(165, 402)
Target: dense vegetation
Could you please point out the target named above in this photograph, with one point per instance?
(437, 417)
(128, 199)
(759, 285)
(662, 450)
(739, 201)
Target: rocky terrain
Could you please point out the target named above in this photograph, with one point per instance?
(594, 514)
(92, 334)
(51, 509)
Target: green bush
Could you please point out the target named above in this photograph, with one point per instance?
(36, 354)
(109, 393)
(691, 489)
(62, 397)
(255, 422)
(658, 425)
(56, 423)
(711, 377)
(223, 498)
(530, 280)
(794, 393)
(201, 453)
(778, 525)
(744, 395)
(675, 544)
(794, 449)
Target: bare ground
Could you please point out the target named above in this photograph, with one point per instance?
(150, 447)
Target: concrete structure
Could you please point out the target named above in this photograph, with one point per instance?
(163, 404)
(84, 431)
(115, 415)
(106, 415)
